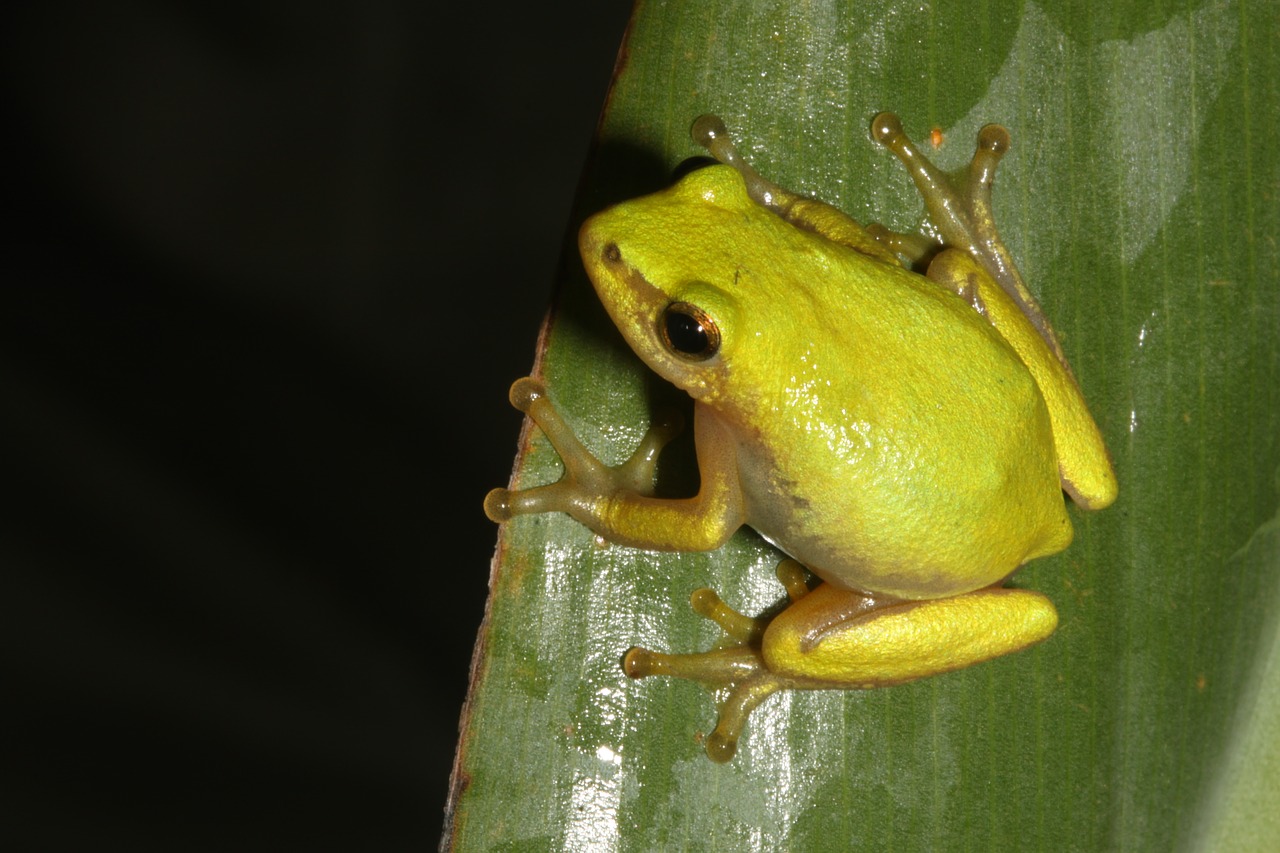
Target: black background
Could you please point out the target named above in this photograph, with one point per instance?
(269, 270)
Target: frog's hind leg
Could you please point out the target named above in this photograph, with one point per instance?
(962, 211)
(917, 249)
(838, 638)
(832, 638)
(1082, 457)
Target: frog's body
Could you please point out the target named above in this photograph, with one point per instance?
(910, 450)
(897, 446)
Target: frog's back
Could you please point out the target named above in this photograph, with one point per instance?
(908, 450)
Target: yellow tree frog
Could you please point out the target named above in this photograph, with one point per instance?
(907, 438)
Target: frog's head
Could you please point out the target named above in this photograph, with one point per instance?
(673, 271)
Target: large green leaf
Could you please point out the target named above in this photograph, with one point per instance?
(1141, 200)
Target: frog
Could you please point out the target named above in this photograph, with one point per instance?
(893, 411)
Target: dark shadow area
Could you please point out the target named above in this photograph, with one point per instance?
(269, 272)
(617, 171)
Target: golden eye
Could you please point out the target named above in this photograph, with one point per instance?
(689, 332)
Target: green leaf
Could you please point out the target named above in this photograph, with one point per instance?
(1140, 199)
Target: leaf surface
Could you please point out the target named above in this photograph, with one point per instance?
(1140, 199)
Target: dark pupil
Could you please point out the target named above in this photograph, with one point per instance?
(686, 333)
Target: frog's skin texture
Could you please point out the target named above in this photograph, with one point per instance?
(905, 437)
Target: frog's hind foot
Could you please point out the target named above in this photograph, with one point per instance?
(739, 667)
(962, 212)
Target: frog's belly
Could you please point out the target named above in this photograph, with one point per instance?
(934, 523)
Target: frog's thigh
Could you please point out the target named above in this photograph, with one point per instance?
(900, 641)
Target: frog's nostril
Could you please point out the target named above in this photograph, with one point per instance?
(612, 253)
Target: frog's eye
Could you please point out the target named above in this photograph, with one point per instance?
(689, 332)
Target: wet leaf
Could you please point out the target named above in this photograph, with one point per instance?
(1141, 201)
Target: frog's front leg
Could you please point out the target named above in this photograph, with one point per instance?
(617, 503)
(806, 213)
(832, 638)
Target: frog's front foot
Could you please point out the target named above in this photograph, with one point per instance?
(587, 483)
(739, 667)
